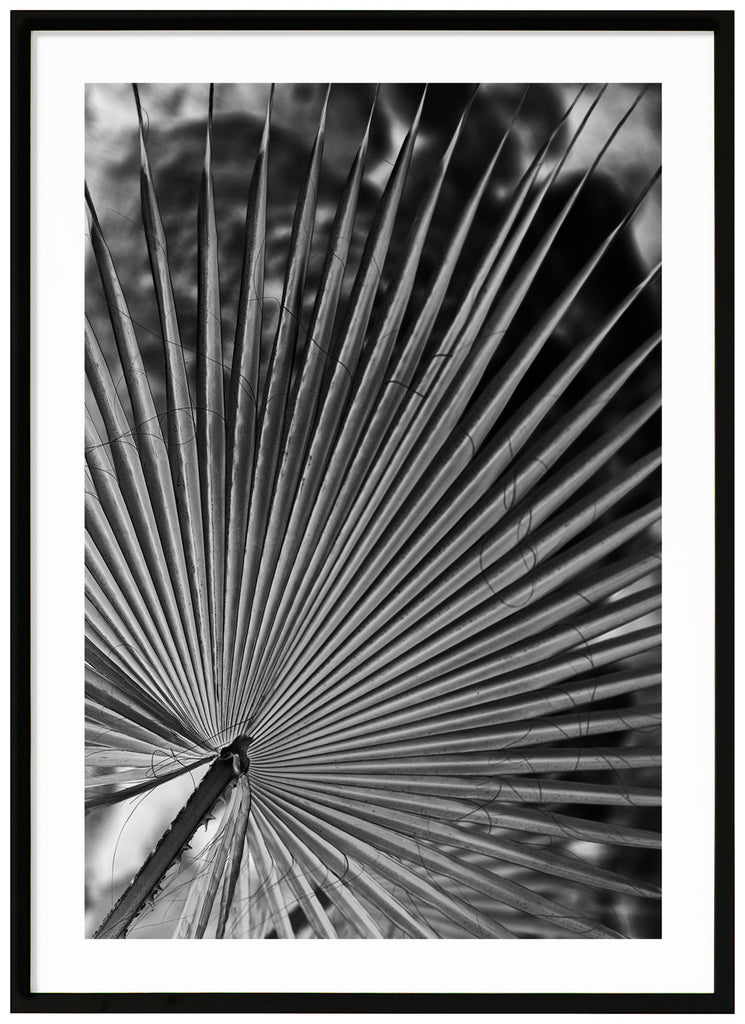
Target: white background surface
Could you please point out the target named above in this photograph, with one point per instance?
(679, 960)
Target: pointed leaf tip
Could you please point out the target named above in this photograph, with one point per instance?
(267, 121)
(366, 137)
(418, 116)
(324, 110)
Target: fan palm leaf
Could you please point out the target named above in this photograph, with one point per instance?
(381, 573)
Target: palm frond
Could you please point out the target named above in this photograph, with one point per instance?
(381, 572)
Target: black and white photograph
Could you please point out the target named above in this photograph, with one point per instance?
(372, 551)
(373, 511)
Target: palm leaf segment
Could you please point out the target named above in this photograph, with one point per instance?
(396, 558)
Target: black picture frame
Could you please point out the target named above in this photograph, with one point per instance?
(23, 25)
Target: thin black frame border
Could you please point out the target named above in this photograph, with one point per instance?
(721, 24)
